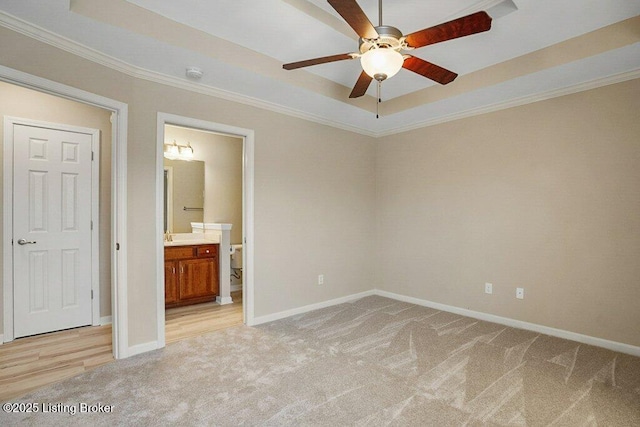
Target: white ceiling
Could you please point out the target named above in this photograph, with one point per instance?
(241, 44)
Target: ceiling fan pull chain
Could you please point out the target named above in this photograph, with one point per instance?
(378, 100)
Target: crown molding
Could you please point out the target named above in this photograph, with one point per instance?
(45, 36)
(163, 79)
(529, 99)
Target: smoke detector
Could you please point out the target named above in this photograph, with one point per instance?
(194, 73)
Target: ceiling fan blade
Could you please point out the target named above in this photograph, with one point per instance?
(429, 70)
(317, 61)
(465, 26)
(355, 17)
(361, 85)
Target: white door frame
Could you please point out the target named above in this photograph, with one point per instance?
(7, 249)
(119, 119)
(247, 210)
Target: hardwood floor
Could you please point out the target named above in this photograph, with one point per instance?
(194, 320)
(29, 363)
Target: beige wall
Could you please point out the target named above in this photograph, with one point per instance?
(17, 101)
(314, 198)
(544, 196)
(314, 188)
(222, 156)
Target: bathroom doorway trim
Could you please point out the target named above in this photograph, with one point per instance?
(248, 138)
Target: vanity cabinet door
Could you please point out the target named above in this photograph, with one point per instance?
(191, 274)
(170, 282)
(198, 278)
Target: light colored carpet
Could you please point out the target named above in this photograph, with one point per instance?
(372, 362)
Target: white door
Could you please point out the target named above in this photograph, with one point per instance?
(51, 230)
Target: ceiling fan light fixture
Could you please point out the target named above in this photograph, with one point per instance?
(381, 63)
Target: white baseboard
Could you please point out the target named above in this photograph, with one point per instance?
(141, 348)
(310, 307)
(105, 320)
(560, 333)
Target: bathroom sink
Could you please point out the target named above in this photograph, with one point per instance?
(184, 239)
(190, 242)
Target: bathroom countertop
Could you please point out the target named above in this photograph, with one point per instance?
(191, 242)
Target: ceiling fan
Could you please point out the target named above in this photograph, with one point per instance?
(380, 48)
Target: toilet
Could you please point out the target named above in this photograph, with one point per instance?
(236, 267)
(236, 256)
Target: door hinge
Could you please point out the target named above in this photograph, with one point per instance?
(92, 225)
(91, 293)
(92, 156)
(117, 246)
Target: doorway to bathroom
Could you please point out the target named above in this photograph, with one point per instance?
(204, 173)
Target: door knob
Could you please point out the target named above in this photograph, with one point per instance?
(25, 242)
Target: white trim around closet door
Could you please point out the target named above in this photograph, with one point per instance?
(119, 117)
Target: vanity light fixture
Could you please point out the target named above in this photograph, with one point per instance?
(174, 151)
(186, 151)
(171, 151)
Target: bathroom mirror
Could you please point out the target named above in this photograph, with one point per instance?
(183, 194)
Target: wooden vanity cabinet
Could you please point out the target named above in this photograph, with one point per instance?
(170, 283)
(190, 274)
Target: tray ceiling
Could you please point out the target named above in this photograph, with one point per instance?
(536, 49)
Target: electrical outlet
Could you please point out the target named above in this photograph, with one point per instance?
(520, 293)
(488, 288)
(320, 279)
